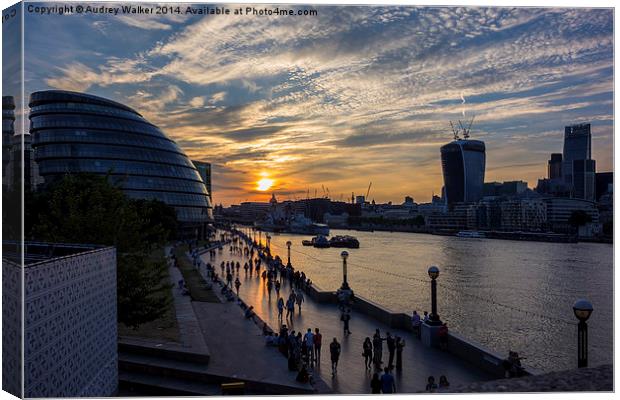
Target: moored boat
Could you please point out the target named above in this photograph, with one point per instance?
(346, 241)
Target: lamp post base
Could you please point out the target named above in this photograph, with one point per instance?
(429, 334)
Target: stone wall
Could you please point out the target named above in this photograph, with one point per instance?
(11, 328)
(71, 326)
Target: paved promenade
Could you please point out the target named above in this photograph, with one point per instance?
(418, 361)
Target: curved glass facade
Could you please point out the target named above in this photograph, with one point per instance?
(463, 163)
(75, 132)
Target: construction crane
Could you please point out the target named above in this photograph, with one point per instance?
(368, 191)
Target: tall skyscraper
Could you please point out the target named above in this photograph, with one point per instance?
(577, 146)
(578, 168)
(555, 166)
(463, 163)
(8, 130)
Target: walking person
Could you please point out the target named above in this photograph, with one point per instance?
(277, 287)
(367, 353)
(346, 317)
(377, 348)
(317, 345)
(299, 298)
(334, 351)
(290, 307)
(237, 285)
(229, 279)
(400, 345)
(391, 345)
(375, 384)
(388, 385)
(309, 340)
(280, 307)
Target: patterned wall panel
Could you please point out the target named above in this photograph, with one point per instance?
(70, 316)
(11, 328)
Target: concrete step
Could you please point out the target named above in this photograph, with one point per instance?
(166, 350)
(189, 371)
(144, 384)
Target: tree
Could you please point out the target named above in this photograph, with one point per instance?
(83, 208)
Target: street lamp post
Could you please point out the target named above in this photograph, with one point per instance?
(582, 309)
(344, 255)
(288, 246)
(433, 273)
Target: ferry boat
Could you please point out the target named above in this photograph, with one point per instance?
(470, 234)
(347, 241)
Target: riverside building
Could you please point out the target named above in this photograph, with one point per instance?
(76, 132)
(463, 164)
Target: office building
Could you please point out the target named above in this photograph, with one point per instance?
(584, 179)
(8, 130)
(463, 164)
(204, 168)
(604, 184)
(577, 146)
(554, 168)
(76, 132)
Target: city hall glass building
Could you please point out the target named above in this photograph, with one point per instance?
(462, 163)
(76, 132)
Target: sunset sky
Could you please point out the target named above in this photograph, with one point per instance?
(352, 95)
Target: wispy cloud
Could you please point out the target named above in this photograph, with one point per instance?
(355, 92)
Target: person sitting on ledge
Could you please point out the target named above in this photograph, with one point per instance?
(443, 336)
(249, 313)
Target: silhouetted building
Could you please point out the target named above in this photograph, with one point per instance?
(76, 132)
(8, 130)
(509, 189)
(204, 168)
(604, 183)
(577, 146)
(554, 168)
(463, 164)
(584, 179)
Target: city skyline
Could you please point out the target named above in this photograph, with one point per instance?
(349, 96)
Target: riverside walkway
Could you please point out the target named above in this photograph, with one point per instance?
(419, 361)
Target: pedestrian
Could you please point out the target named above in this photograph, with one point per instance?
(264, 275)
(309, 340)
(367, 353)
(229, 279)
(346, 317)
(400, 345)
(377, 348)
(442, 332)
(375, 384)
(280, 307)
(237, 285)
(299, 298)
(334, 351)
(431, 386)
(387, 382)
(317, 345)
(246, 267)
(277, 286)
(426, 319)
(416, 323)
(443, 383)
(391, 345)
(290, 307)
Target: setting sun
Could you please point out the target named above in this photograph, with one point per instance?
(264, 184)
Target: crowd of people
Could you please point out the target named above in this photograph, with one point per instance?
(303, 349)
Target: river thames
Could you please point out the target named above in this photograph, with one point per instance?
(506, 295)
